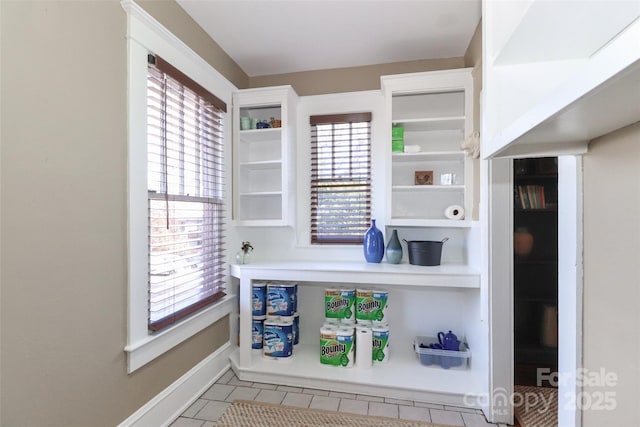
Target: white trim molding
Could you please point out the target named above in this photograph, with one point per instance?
(146, 35)
(570, 288)
(167, 405)
(497, 276)
(147, 349)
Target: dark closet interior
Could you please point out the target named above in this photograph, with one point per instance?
(535, 268)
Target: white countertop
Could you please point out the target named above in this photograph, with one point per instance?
(447, 275)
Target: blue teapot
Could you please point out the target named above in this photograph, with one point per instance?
(449, 341)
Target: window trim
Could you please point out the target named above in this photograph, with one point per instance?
(338, 119)
(327, 104)
(144, 35)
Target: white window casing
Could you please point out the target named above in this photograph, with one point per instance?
(145, 35)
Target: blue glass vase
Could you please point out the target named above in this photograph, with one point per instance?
(394, 249)
(373, 244)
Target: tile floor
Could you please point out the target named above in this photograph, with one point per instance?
(209, 407)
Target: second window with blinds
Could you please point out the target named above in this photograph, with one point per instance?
(340, 178)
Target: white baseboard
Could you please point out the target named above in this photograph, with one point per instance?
(165, 407)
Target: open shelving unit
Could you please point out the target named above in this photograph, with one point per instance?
(412, 291)
(263, 178)
(436, 110)
(429, 386)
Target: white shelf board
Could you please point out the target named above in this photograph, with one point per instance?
(260, 193)
(431, 123)
(262, 164)
(446, 275)
(260, 135)
(422, 222)
(403, 374)
(420, 188)
(429, 156)
(599, 99)
(267, 222)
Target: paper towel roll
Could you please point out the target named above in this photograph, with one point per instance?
(454, 212)
(364, 345)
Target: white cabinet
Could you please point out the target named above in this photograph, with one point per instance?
(262, 158)
(436, 111)
(557, 74)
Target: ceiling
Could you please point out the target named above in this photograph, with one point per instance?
(273, 37)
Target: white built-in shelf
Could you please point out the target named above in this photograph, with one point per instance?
(398, 377)
(447, 275)
(400, 221)
(436, 111)
(261, 193)
(420, 188)
(431, 156)
(262, 164)
(262, 158)
(403, 377)
(260, 135)
(432, 123)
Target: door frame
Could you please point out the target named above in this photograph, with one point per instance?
(570, 288)
(498, 273)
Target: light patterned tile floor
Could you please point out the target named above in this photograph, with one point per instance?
(206, 410)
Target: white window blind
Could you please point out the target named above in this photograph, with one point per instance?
(185, 187)
(340, 178)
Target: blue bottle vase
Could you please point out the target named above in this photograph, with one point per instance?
(373, 244)
(394, 249)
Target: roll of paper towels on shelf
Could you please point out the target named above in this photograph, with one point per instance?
(454, 212)
(364, 346)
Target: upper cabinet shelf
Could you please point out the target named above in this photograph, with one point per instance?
(557, 76)
(429, 155)
(435, 111)
(263, 158)
(260, 135)
(432, 123)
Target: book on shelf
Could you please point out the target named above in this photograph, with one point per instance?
(530, 197)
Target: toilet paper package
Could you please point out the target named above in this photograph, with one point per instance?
(380, 342)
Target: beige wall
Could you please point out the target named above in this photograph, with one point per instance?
(473, 55)
(612, 271)
(351, 79)
(175, 19)
(63, 224)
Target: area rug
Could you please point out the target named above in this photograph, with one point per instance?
(536, 406)
(244, 413)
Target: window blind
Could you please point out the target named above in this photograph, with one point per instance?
(185, 195)
(340, 178)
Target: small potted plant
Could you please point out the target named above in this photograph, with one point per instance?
(242, 257)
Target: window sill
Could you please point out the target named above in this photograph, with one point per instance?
(143, 351)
